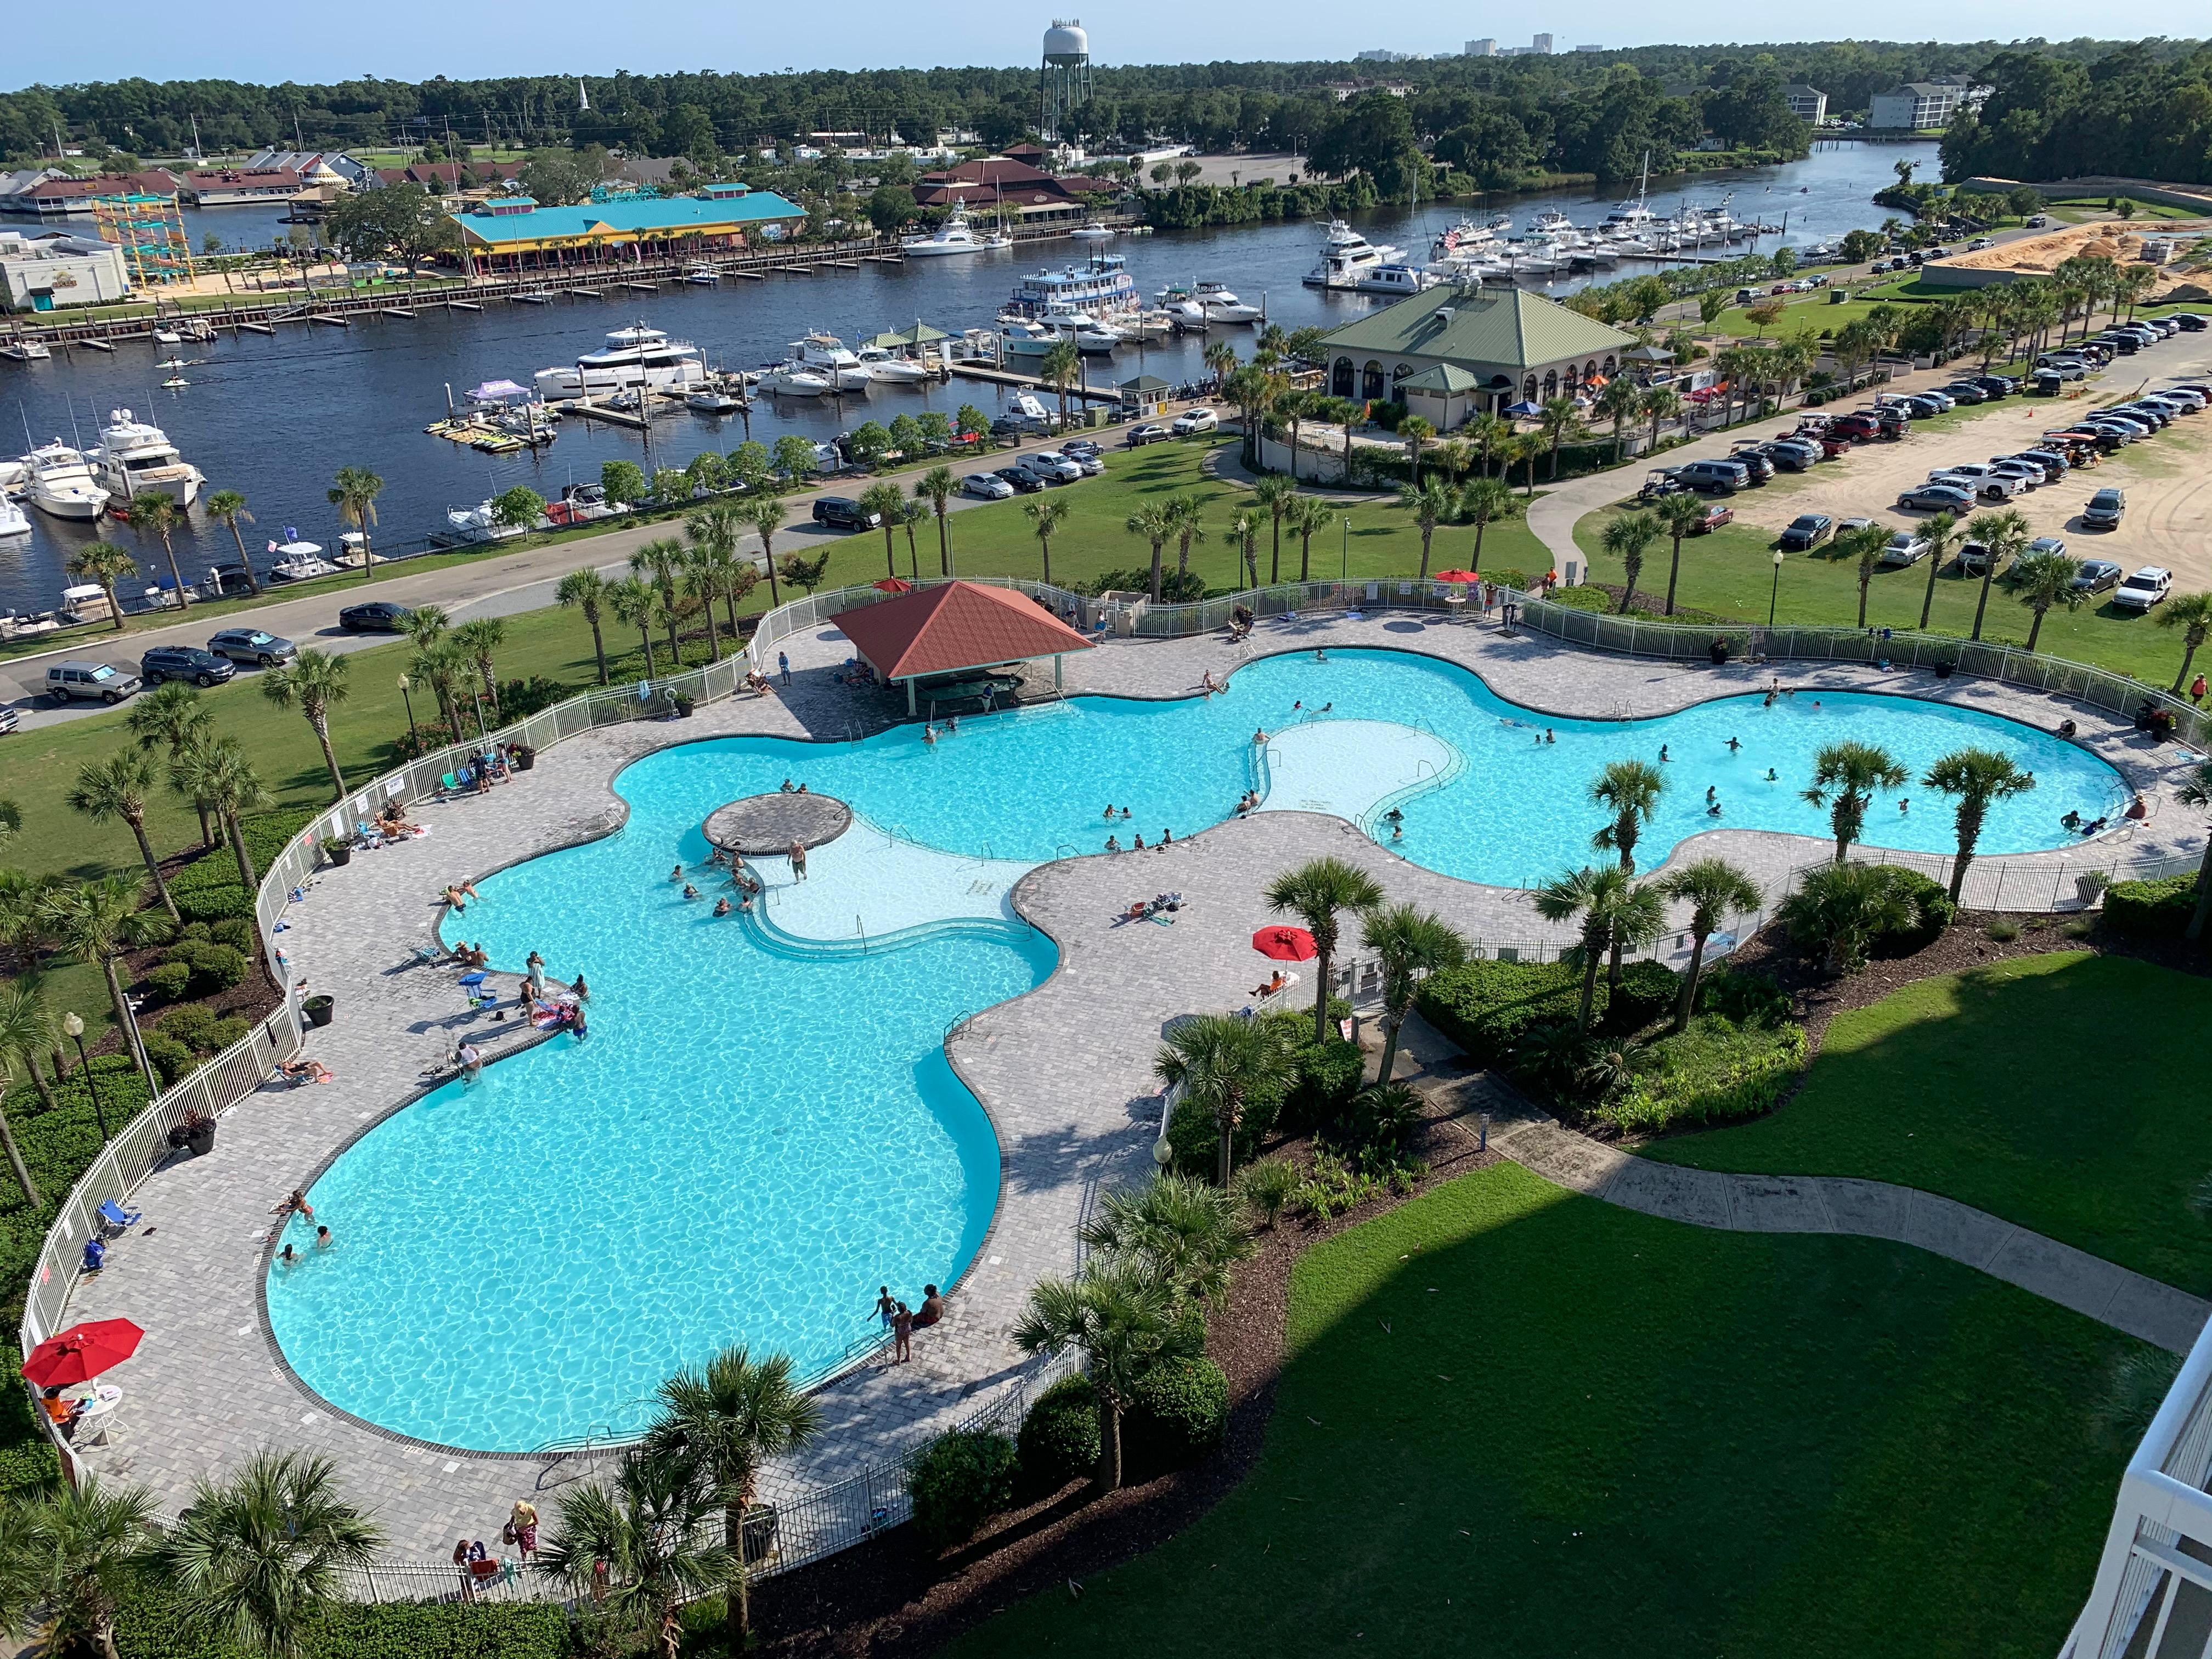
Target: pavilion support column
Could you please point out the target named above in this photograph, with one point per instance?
(909, 698)
(1055, 672)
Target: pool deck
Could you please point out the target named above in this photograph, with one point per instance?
(1064, 1071)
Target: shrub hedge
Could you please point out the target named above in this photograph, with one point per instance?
(1647, 990)
(169, 981)
(1058, 1439)
(1741, 996)
(1176, 1414)
(1713, 1073)
(2151, 910)
(1930, 899)
(207, 890)
(1485, 1007)
(958, 1482)
(147, 1627)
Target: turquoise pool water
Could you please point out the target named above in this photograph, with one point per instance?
(754, 1137)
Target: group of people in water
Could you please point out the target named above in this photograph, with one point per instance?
(743, 882)
(902, 1321)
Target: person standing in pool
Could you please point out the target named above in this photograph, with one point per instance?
(886, 1305)
(798, 862)
(1733, 745)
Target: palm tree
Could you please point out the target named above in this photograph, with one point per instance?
(1275, 496)
(1661, 403)
(885, 500)
(585, 590)
(425, 625)
(98, 921)
(1244, 531)
(219, 773)
(1220, 357)
(1061, 367)
(156, 515)
(1864, 545)
(1937, 530)
(1561, 419)
(1976, 777)
(1414, 433)
(105, 563)
(27, 1029)
(69, 1556)
(1714, 890)
(1525, 447)
(1630, 791)
(2043, 581)
(481, 637)
(721, 1426)
(1046, 516)
(911, 514)
(2195, 790)
(172, 715)
(1294, 407)
(1485, 431)
(705, 575)
(1626, 538)
(1596, 894)
(256, 1557)
(116, 788)
(1222, 1063)
(354, 493)
(937, 487)
(1618, 400)
(1412, 945)
(314, 680)
(1184, 510)
(1153, 522)
(644, 1535)
(635, 605)
(1844, 778)
(1189, 1233)
(1309, 516)
(1126, 1318)
(766, 515)
(660, 562)
(2002, 535)
(1843, 908)
(227, 506)
(1679, 514)
(1485, 502)
(442, 665)
(1430, 504)
(1318, 892)
(2193, 614)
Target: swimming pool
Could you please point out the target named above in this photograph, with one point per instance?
(763, 1127)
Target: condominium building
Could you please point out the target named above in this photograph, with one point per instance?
(1541, 46)
(1807, 104)
(1485, 47)
(1920, 106)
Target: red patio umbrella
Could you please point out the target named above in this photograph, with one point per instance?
(1285, 944)
(81, 1352)
(1457, 576)
(896, 585)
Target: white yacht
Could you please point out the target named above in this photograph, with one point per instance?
(890, 370)
(1089, 334)
(14, 521)
(299, 562)
(702, 276)
(1182, 308)
(1345, 256)
(955, 235)
(481, 523)
(826, 355)
(1101, 286)
(1398, 279)
(635, 356)
(710, 400)
(1222, 306)
(1019, 338)
(1551, 223)
(1093, 232)
(63, 484)
(1466, 239)
(137, 459)
(793, 379)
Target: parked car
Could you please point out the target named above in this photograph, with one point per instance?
(377, 617)
(1965, 391)
(9, 719)
(1745, 296)
(1715, 477)
(1905, 548)
(185, 662)
(2106, 509)
(1020, 479)
(2191, 323)
(1807, 531)
(1052, 467)
(2027, 471)
(1936, 395)
(1147, 432)
(1748, 456)
(2190, 399)
(2053, 462)
(253, 646)
(1981, 480)
(2095, 575)
(1979, 243)
(1787, 455)
(1713, 517)
(843, 512)
(1996, 385)
(987, 485)
(2047, 382)
(1920, 407)
(2143, 589)
(1938, 498)
(1191, 422)
(1971, 557)
(89, 681)
(2065, 364)
(1085, 455)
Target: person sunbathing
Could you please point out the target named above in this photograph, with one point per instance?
(305, 1071)
(1272, 985)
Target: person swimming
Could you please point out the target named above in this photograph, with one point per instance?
(1710, 794)
(722, 906)
(1665, 759)
(1770, 776)
(690, 891)
(2071, 821)
(1733, 745)
(1713, 810)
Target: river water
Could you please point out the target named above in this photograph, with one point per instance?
(276, 417)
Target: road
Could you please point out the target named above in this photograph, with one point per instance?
(495, 585)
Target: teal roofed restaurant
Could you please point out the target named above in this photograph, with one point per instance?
(513, 232)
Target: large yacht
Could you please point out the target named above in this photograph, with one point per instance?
(1019, 338)
(827, 356)
(1551, 223)
(1398, 279)
(136, 458)
(14, 521)
(1346, 256)
(63, 484)
(793, 379)
(955, 235)
(1100, 286)
(883, 366)
(1089, 334)
(635, 356)
(1222, 306)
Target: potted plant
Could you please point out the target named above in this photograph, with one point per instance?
(525, 757)
(196, 1132)
(316, 1010)
(338, 849)
(1943, 666)
(682, 701)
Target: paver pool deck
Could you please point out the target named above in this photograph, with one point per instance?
(1065, 1071)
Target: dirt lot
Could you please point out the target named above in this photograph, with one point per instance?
(2167, 477)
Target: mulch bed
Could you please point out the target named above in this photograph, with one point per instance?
(894, 1596)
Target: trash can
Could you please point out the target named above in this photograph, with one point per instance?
(318, 1010)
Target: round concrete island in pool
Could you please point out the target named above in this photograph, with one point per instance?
(764, 826)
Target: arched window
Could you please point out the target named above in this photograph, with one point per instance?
(1401, 373)
(1371, 381)
(1528, 389)
(1341, 381)
(1610, 367)
(1551, 384)
(1589, 369)
(1573, 376)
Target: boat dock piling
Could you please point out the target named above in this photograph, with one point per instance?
(393, 311)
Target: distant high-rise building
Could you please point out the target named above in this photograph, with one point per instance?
(1381, 55)
(1485, 47)
(1590, 48)
(1541, 46)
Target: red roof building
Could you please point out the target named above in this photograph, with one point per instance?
(1000, 180)
(954, 627)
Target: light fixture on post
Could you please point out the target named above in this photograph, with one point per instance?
(75, 1027)
(405, 684)
(1775, 597)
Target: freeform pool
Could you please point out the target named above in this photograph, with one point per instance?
(759, 1132)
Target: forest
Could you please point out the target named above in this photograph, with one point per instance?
(2137, 112)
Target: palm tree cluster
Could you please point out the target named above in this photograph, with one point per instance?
(1482, 502)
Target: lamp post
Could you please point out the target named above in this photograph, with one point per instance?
(1344, 550)
(414, 740)
(75, 1027)
(1775, 597)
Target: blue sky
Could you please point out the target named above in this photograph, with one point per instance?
(409, 39)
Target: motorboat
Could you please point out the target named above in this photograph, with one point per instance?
(481, 523)
(793, 379)
(62, 484)
(14, 521)
(703, 276)
(956, 236)
(1466, 239)
(1093, 232)
(296, 561)
(633, 357)
(826, 355)
(136, 458)
(1346, 255)
(1222, 306)
(26, 351)
(580, 503)
(1019, 338)
(14, 474)
(883, 366)
(1182, 308)
(1394, 278)
(710, 400)
(1551, 223)
(1594, 253)
(1100, 286)
(1089, 334)
(167, 337)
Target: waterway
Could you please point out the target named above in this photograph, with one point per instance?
(273, 417)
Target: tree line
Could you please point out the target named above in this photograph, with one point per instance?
(2141, 111)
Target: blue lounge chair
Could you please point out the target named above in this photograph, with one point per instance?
(114, 1219)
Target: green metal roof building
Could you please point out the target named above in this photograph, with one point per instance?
(1456, 352)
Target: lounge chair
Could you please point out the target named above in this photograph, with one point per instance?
(114, 1219)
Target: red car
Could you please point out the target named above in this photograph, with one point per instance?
(1713, 518)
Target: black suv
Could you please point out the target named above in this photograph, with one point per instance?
(377, 617)
(185, 662)
(843, 512)
(1024, 481)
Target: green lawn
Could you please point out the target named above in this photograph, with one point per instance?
(2079, 210)
(2063, 1092)
(1514, 1421)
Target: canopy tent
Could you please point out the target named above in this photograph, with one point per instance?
(953, 626)
(921, 334)
(492, 390)
(1647, 354)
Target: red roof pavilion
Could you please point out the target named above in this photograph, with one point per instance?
(953, 626)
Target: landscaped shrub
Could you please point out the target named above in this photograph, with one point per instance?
(170, 1059)
(1176, 1414)
(168, 980)
(1379, 1118)
(1647, 990)
(1194, 1134)
(1713, 1073)
(1485, 1007)
(2151, 910)
(1506, 576)
(237, 931)
(1933, 903)
(189, 1024)
(207, 890)
(212, 967)
(147, 1627)
(1740, 995)
(959, 1481)
(1328, 1077)
(1058, 1440)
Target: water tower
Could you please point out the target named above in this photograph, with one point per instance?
(1063, 85)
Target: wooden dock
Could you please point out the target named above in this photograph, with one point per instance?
(334, 322)
(393, 311)
(98, 345)
(973, 371)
